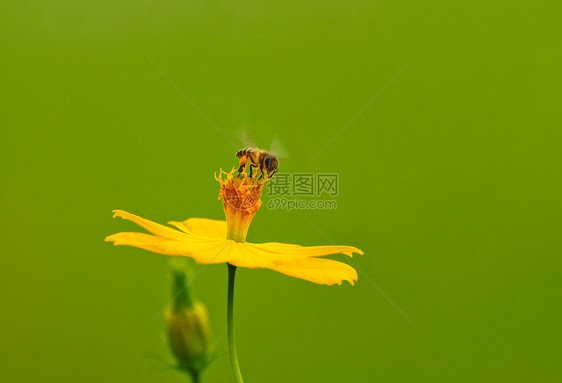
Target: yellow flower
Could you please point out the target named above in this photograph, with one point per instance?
(210, 241)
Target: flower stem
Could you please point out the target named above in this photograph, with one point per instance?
(194, 376)
(230, 326)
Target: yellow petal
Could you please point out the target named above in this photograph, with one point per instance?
(202, 250)
(307, 251)
(319, 270)
(153, 227)
(204, 227)
(205, 241)
(248, 255)
(273, 255)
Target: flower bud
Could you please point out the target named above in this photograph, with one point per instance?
(188, 327)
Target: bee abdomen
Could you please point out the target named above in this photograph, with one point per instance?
(243, 152)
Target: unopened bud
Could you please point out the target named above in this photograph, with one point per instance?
(189, 335)
(189, 332)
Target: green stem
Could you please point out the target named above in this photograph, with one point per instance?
(194, 376)
(180, 291)
(230, 321)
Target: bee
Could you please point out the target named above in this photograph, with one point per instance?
(258, 158)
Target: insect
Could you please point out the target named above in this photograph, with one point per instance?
(258, 158)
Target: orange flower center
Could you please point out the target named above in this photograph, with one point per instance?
(240, 200)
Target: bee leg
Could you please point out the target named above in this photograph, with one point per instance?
(262, 173)
(242, 167)
(251, 170)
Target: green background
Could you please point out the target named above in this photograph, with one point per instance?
(449, 181)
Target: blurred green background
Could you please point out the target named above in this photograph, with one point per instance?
(449, 181)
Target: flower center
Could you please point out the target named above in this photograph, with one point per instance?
(240, 200)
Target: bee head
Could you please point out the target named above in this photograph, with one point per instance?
(271, 164)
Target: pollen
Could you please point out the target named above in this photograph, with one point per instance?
(241, 199)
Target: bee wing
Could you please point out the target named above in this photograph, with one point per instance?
(278, 148)
(247, 137)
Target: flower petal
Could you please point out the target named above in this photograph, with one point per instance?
(204, 227)
(250, 256)
(205, 241)
(202, 250)
(292, 260)
(307, 251)
(153, 227)
(319, 270)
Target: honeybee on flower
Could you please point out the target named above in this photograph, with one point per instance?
(209, 241)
